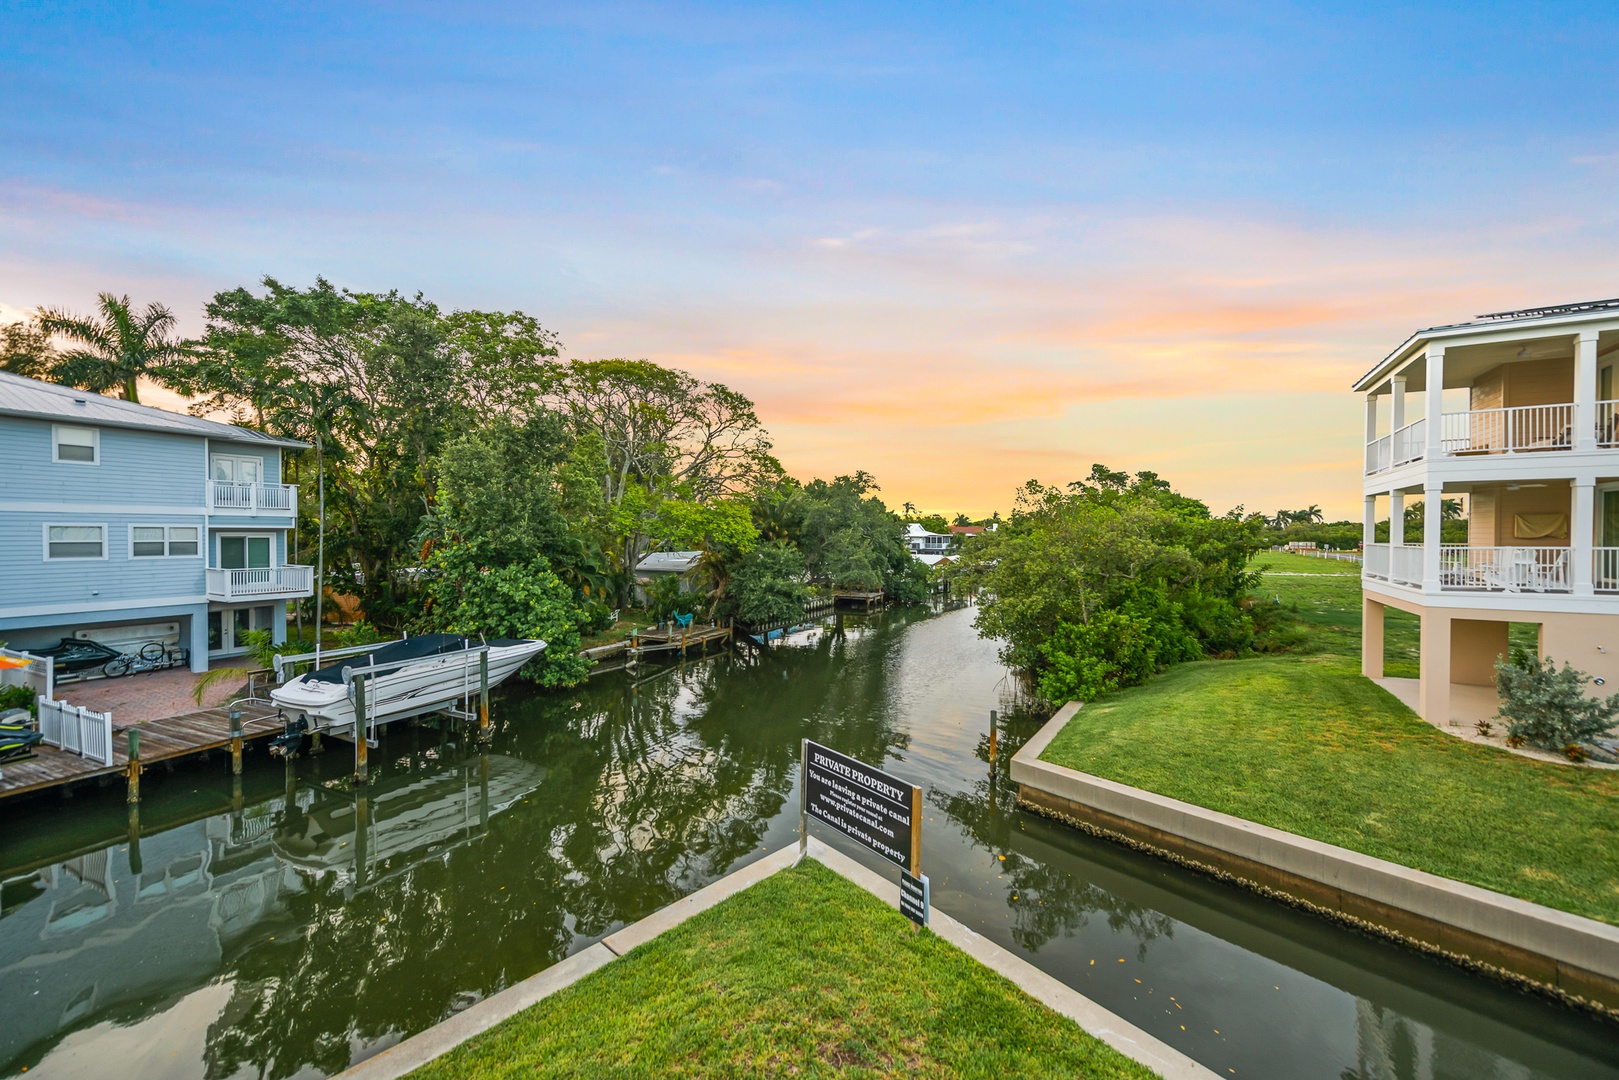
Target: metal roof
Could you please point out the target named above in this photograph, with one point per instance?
(1551, 312)
(669, 562)
(20, 396)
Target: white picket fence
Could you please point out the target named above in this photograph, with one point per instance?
(76, 729)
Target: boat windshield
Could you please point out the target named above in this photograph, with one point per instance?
(409, 649)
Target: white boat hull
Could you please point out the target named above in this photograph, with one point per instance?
(427, 685)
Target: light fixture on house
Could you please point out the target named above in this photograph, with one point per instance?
(1515, 487)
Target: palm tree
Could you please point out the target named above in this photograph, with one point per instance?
(910, 510)
(1312, 515)
(26, 350)
(114, 350)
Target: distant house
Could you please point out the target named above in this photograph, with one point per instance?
(921, 542)
(935, 560)
(966, 530)
(127, 524)
(663, 564)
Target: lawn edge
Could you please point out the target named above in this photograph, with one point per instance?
(1569, 957)
(412, 1053)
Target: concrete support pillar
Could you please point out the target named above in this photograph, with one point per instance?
(1433, 699)
(1369, 523)
(1396, 519)
(1585, 391)
(1475, 646)
(1433, 517)
(278, 624)
(1434, 399)
(1397, 415)
(1582, 535)
(1371, 637)
(199, 640)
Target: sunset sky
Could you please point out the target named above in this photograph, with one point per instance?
(956, 246)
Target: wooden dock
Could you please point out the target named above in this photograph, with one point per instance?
(677, 639)
(167, 739)
(853, 597)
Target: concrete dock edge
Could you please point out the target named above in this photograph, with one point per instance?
(1576, 957)
(419, 1049)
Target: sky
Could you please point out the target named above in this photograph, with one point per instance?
(958, 246)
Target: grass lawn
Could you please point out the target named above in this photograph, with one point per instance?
(802, 975)
(631, 620)
(1304, 743)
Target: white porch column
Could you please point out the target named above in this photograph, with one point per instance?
(1397, 420)
(1369, 523)
(1582, 535)
(1371, 418)
(1396, 520)
(1433, 516)
(1434, 399)
(1585, 391)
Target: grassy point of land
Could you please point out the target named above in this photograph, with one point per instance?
(1306, 744)
(805, 975)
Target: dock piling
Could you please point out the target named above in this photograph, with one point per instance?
(235, 741)
(483, 696)
(132, 771)
(361, 745)
(993, 732)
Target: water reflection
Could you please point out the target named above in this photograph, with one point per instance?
(297, 924)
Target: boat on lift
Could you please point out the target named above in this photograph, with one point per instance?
(402, 679)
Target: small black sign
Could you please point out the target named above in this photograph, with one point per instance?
(866, 804)
(914, 898)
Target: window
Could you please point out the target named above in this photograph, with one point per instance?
(75, 541)
(76, 445)
(244, 552)
(240, 470)
(156, 541)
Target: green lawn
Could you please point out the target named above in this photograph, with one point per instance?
(1304, 743)
(803, 975)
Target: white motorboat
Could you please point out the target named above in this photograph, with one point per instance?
(402, 679)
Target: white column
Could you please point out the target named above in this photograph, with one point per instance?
(1434, 398)
(1397, 420)
(1585, 391)
(1369, 523)
(1396, 520)
(1582, 536)
(1371, 418)
(1433, 516)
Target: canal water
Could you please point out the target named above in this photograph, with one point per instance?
(285, 927)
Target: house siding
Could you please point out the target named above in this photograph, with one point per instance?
(142, 477)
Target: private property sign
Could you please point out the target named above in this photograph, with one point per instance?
(878, 810)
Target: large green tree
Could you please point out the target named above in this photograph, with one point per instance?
(25, 349)
(1098, 585)
(115, 348)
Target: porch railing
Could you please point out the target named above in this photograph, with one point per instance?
(273, 581)
(1605, 569)
(1508, 431)
(1505, 569)
(1608, 423)
(76, 729)
(229, 495)
(1405, 564)
(1408, 444)
(1377, 561)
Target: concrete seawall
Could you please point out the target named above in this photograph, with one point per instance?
(1575, 958)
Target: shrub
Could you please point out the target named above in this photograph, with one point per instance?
(1547, 707)
(519, 600)
(18, 697)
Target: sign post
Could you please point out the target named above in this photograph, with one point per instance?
(881, 812)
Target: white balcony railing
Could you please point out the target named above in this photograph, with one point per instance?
(1508, 431)
(1608, 423)
(1505, 569)
(1605, 569)
(267, 583)
(1377, 561)
(1405, 564)
(228, 496)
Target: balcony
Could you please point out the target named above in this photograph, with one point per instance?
(1518, 430)
(1526, 569)
(229, 497)
(267, 583)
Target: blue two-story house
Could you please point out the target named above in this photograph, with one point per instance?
(126, 524)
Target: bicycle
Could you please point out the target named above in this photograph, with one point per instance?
(154, 656)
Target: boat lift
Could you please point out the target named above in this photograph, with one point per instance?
(355, 679)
